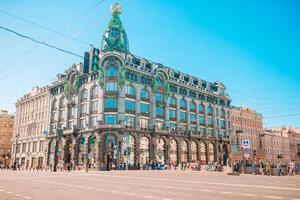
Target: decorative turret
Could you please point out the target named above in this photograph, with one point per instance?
(115, 37)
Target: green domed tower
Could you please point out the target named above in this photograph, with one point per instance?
(115, 37)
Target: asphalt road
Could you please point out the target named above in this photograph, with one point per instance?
(144, 185)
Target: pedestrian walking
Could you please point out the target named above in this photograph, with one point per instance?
(279, 168)
(291, 168)
(261, 168)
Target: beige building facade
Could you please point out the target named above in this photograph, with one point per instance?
(246, 125)
(6, 132)
(31, 127)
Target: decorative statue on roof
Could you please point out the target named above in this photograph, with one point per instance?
(76, 85)
(167, 89)
(67, 88)
(115, 37)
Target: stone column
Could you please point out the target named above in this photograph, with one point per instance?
(86, 151)
(152, 110)
(137, 149)
(98, 143)
(121, 105)
(167, 150)
(167, 117)
(188, 114)
(137, 107)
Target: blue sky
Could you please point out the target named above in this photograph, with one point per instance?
(253, 47)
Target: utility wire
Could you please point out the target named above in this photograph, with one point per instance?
(43, 27)
(39, 42)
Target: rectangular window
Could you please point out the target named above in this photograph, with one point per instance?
(159, 125)
(83, 123)
(111, 87)
(41, 148)
(193, 118)
(172, 114)
(94, 107)
(173, 88)
(144, 108)
(210, 121)
(222, 123)
(83, 109)
(111, 103)
(110, 119)
(201, 120)
(144, 123)
(93, 121)
(193, 94)
(129, 121)
(183, 91)
(172, 126)
(129, 105)
(159, 112)
(182, 116)
(159, 97)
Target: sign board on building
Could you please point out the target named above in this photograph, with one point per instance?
(246, 144)
(246, 152)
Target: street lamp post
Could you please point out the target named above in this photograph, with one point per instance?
(15, 156)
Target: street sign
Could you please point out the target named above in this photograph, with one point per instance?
(246, 152)
(246, 144)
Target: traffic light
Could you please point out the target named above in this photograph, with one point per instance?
(254, 152)
(82, 140)
(95, 64)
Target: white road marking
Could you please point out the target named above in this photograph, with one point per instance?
(18, 195)
(205, 182)
(113, 191)
(27, 197)
(8, 192)
(2, 190)
(226, 192)
(148, 197)
(273, 197)
(202, 190)
(248, 195)
(129, 194)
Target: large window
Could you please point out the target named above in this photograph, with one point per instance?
(93, 121)
(129, 121)
(193, 118)
(209, 110)
(144, 108)
(159, 97)
(222, 123)
(144, 123)
(172, 114)
(130, 91)
(159, 111)
(111, 103)
(160, 83)
(182, 104)
(83, 109)
(129, 105)
(94, 107)
(192, 107)
(172, 102)
(95, 92)
(183, 116)
(83, 96)
(111, 87)
(110, 119)
(112, 71)
(144, 95)
(201, 108)
(210, 121)
(201, 120)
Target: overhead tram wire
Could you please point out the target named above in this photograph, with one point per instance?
(84, 14)
(44, 27)
(40, 42)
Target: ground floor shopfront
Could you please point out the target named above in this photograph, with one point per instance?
(102, 149)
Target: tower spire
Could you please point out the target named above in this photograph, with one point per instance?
(115, 37)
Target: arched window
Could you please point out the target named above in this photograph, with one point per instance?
(62, 102)
(192, 107)
(194, 151)
(130, 91)
(182, 104)
(184, 151)
(201, 108)
(173, 152)
(144, 95)
(54, 105)
(160, 151)
(112, 71)
(144, 150)
(160, 83)
(209, 110)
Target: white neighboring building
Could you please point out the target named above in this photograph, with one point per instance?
(31, 127)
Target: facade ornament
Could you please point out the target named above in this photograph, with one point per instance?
(122, 76)
(154, 85)
(101, 76)
(167, 89)
(76, 85)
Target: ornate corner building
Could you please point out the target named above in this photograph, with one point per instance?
(116, 107)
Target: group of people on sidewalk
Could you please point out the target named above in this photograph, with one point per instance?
(265, 168)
